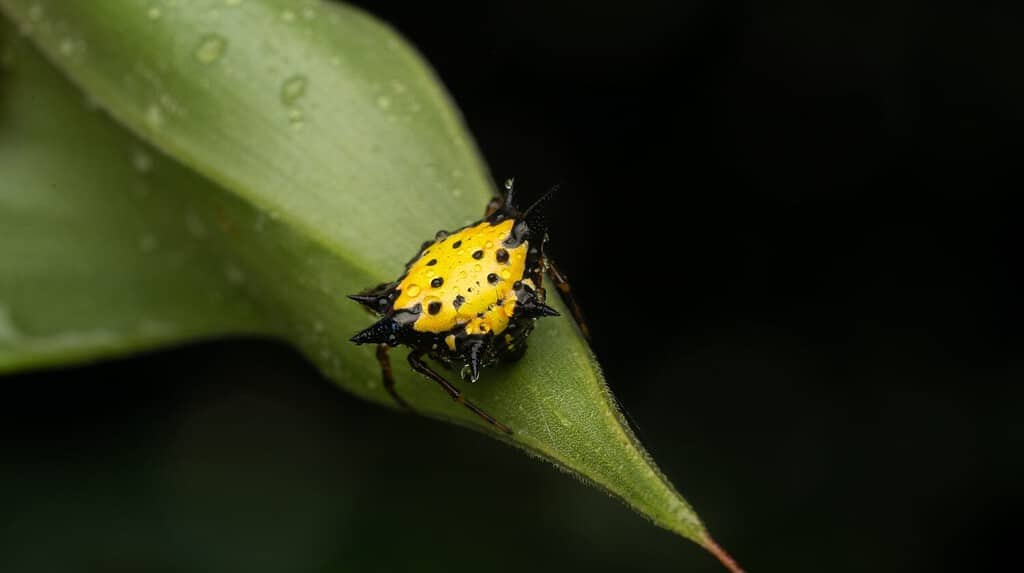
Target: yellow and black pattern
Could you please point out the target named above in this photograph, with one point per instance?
(465, 279)
(468, 299)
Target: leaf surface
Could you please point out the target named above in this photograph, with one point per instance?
(269, 160)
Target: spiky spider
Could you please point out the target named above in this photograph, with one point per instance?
(469, 298)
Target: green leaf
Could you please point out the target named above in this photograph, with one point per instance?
(275, 159)
(101, 253)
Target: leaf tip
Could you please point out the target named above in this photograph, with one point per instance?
(721, 554)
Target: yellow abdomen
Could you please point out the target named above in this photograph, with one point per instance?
(465, 280)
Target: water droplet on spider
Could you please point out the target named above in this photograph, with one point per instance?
(505, 274)
(463, 274)
(466, 374)
(210, 49)
(293, 88)
(412, 290)
(477, 268)
(141, 161)
(154, 13)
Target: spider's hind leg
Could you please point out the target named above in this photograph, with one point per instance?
(562, 284)
(388, 376)
(417, 363)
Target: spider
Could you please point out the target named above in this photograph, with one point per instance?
(468, 298)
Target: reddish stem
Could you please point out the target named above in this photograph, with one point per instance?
(721, 554)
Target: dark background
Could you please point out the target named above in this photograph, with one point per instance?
(833, 380)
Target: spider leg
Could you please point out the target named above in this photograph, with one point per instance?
(563, 287)
(389, 378)
(500, 201)
(493, 205)
(417, 363)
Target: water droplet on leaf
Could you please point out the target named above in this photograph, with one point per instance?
(293, 88)
(211, 47)
(141, 161)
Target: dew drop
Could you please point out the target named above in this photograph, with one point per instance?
(154, 13)
(292, 89)
(383, 102)
(195, 225)
(234, 274)
(463, 274)
(154, 116)
(8, 331)
(412, 290)
(232, 2)
(505, 274)
(141, 161)
(66, 47)
(288, 15)
(148, 243)
(211, 47)
(7, 57)
(476, 268)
